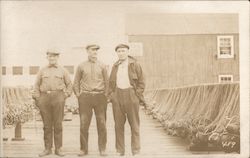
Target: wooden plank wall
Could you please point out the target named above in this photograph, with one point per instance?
(179, 60)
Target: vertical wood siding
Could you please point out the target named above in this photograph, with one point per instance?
(179, 60)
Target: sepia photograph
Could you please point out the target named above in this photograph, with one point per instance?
(124, 79)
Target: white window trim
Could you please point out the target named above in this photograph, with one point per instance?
(220, 76)
(218, 47)
(136, 49)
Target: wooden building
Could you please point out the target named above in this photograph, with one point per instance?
(186, 49)
(174, 49)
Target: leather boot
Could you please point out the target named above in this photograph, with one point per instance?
(45, 152)
(82, 153)
(59, 152)
(103, 153)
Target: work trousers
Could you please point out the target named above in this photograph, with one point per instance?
(87, 103)
(51, 107)
(126, 105)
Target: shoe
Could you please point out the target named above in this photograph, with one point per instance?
(45, 152)
(59, 152)
(120, 153)
(103, 153)
(82, 153)
(135, 153)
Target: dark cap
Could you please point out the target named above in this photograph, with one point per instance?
(53, 51)
(92, 46)
(121, 46)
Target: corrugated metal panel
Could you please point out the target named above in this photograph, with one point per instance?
(148, 24)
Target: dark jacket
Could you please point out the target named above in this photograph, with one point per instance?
(136, 78)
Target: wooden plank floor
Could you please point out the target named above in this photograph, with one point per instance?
(154, 141)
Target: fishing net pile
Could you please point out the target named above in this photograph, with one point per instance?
(18, 105)
(206, 115)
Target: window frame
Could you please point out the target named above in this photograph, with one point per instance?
(225, 56)
(4, 73)
(31, 67)
(227, 75)
(13, 70)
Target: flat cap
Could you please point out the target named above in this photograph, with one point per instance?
(121, 46)
(92, 46)
(53, 51)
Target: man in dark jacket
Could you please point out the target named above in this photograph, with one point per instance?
(126, 86)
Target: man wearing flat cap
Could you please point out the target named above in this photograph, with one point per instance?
(51, 88)
(126, 86)
(91, 87)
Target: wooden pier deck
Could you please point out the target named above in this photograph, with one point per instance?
(154, 141)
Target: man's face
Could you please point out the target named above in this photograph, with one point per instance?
(52, 58)
(92, 52)
(122, 53)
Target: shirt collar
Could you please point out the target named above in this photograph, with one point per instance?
(54, 65)
(92, 60)
(124, 62)
(130, 60)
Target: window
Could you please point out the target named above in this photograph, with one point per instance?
(136, 49)
(3, 70)
(225, 46)
(34, 70)
(70, 69)
(225, 78)
(17, 70)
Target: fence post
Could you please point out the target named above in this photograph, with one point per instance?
(18, 132)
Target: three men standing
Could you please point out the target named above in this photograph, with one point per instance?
(52, 87)
(91, 87)
(126, 85)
